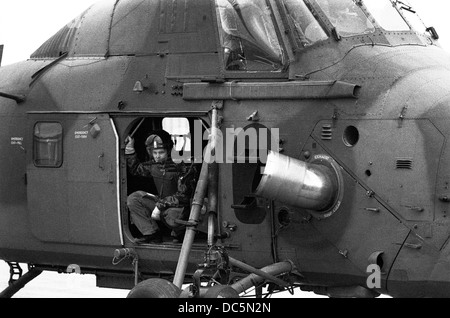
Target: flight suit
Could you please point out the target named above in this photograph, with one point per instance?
(175, 184)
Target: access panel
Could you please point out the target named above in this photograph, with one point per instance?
(73, 183)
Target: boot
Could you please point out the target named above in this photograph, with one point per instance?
(154, 238)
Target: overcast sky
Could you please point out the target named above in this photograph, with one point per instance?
(26, 24)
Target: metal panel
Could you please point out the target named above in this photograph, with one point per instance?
(274, 90)
(134, 27)
(187, 25)
(162, 27)
(47, 204)
(92, 38)
(182, 66)
(397, 173)
(333, 245)
(77, 202)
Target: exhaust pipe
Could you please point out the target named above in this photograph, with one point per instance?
(259, 275)
(316, 186)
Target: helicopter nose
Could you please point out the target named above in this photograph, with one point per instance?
(420, 94)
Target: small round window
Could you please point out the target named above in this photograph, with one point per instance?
(351, 136)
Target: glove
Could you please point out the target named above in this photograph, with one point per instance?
(129, 148)
(167, 202)
(156, 214)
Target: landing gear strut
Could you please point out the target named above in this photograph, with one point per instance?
(16, 284)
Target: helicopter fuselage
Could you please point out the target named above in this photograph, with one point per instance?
(373, 107)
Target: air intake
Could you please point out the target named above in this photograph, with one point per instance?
(327, 132)
(404, 163)
(316, 186)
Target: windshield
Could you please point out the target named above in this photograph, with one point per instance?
(411, 16)
(386, 15)
(346, 16)
(248, 36)
(306, 28)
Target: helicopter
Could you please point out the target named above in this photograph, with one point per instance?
(318, 130)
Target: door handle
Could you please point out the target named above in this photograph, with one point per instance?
(101, 161)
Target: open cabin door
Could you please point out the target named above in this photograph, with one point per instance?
(72, 175)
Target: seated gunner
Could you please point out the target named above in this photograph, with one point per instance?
(175, 184)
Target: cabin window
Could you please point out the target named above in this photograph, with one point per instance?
(47, 145)
(306, 28)
(348, 17)
(386, 15)
(248, 36)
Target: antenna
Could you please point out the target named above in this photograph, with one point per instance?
(1, 54)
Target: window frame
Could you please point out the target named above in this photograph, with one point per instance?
(59, 142)
(283, 40)
(296, 41)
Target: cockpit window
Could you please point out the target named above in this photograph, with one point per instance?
(347, 17)
(386, 15)
(248, 37)
(306, 28)
(411, 16)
